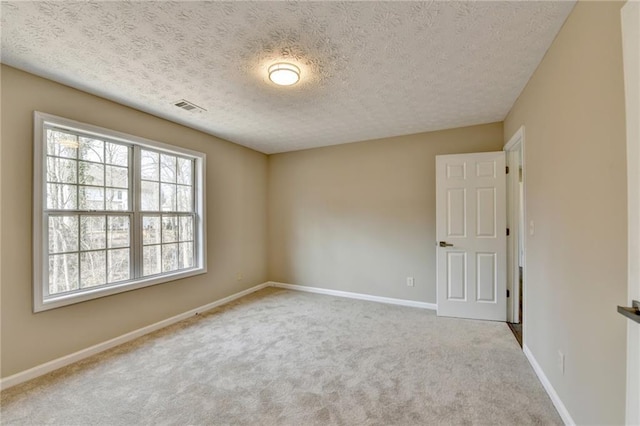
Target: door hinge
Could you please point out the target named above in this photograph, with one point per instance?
(507, 232)
(507, 169)
(508, 295)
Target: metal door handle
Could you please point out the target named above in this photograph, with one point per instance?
(633, 313)
(445, 244)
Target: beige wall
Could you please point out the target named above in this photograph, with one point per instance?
(361, 217)
(573, 112)
(236, 226)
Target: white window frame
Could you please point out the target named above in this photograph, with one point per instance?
(41, 247)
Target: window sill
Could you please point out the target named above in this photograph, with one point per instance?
(70, 299)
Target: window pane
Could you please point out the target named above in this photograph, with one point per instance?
(92, 232)
(116, 154)
(117, 177)
(185, 203)
(62, 144)
(63, 234)
(151, 260)
(61, 170)
(167, 168)
(91, 198)
(117, 199)
(91, 173)
(93, 268)
(185, 255)
(118, 265)
(169, 229)
(169, 257)
(61, 197)
(186, 228)
(168, 197)
(119, 213)
(63, 273)
(91, 150)
(150, 230)
(150, 196)
(185, 171)
(118, 231)
(149, 165)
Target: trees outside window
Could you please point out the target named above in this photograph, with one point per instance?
(113, 212)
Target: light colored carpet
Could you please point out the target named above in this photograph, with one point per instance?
(281, 357)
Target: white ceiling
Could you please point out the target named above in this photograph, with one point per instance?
(369, 69)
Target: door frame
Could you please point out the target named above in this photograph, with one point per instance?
(630, 17)
(515, 159)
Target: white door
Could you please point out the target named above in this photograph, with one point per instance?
(471, 235)
(631, 51)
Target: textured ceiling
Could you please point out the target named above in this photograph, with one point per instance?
(369, 69)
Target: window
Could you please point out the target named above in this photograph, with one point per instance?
(112, 212)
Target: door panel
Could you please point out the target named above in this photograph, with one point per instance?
(456, 171)
(486, 277)
(456, 208)
(471, 219)
(486, 169)
(456, 276)
(486, 212)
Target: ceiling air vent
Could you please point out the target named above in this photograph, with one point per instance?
(189, 106)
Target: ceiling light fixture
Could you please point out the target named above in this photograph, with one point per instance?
(284, 74)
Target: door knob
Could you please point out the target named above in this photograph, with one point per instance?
(445, 244)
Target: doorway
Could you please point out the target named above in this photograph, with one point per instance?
(516, 235)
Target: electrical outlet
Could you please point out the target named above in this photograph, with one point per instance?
(410, 281)
(239, 276)
(561, 362)
(532, 228)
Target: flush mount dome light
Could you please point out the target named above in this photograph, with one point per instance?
(284, 74)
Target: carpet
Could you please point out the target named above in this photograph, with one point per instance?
(280, 357)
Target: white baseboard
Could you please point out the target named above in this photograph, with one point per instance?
(361, 296)
(557, 402)
(55, 364)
